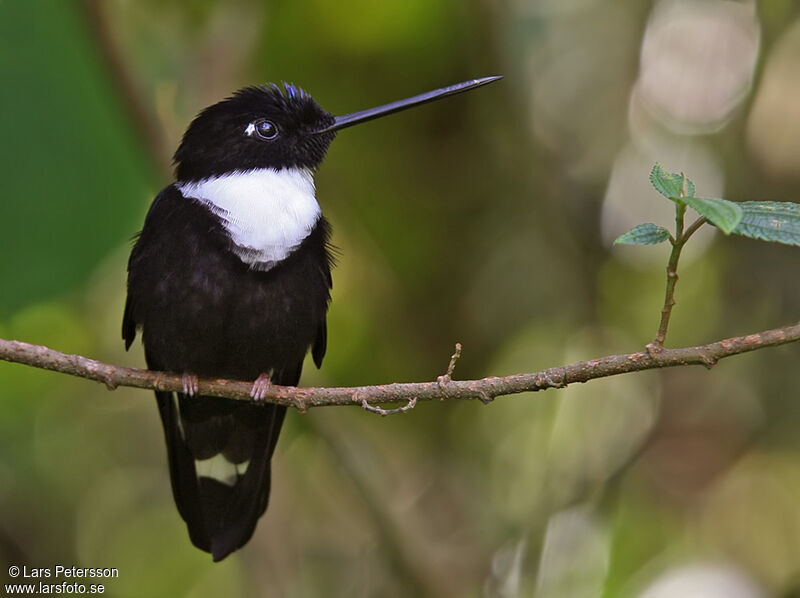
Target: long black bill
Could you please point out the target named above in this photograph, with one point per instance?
(348, 120)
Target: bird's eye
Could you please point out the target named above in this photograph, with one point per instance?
(263, 129)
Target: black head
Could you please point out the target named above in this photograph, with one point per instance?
(265, 126)
(275, 126)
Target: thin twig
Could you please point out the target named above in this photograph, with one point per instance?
(484, 389)
(447, 377)
(453, 358)
(412, 402)
(693, 227)
(672, 280)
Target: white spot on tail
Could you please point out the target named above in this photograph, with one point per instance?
(220, 469)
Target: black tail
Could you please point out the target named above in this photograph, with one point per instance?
(219, 454)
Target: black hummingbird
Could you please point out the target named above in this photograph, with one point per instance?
(230, 278)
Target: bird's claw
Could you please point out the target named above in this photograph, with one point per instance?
(260, 387)
(190, 383)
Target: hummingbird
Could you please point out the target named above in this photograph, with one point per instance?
(230, 277)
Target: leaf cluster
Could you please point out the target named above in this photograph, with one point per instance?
(775, 221)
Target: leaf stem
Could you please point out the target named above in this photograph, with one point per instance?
(678, 241)
(693, 228)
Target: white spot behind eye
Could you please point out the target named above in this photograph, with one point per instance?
(251, 128)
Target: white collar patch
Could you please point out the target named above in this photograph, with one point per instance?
(266, 212)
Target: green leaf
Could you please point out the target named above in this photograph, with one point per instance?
(777, 221)
(643, 234)
(723, 214)
(671, 185)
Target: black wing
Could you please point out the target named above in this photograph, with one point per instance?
(129, 321)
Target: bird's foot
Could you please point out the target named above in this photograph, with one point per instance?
(260, 387)
(190, 383)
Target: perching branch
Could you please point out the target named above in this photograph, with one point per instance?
(484, 389)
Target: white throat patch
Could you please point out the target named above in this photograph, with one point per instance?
(266, 212)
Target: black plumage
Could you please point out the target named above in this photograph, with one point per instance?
(204, 311)
(230, 277)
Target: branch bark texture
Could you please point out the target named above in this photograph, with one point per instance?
(445, 387)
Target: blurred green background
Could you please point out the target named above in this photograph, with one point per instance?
(485, 219)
